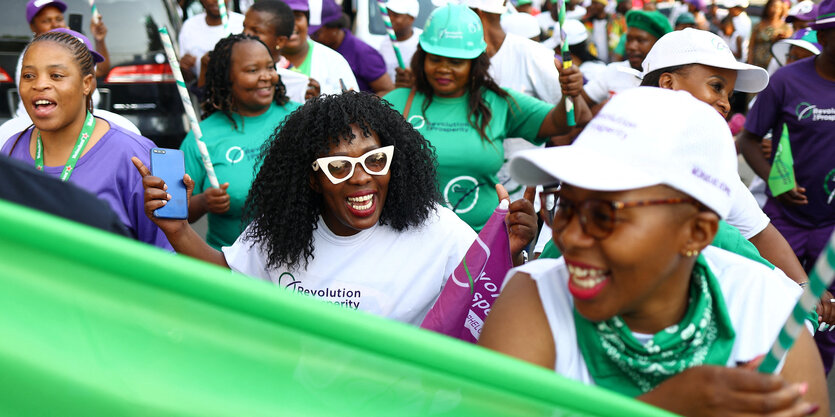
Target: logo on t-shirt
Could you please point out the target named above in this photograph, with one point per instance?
(806, 111)
(461, 194)
(235, 154)
(829, 186)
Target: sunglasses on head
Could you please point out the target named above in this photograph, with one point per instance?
(597, 216)
(340, 168)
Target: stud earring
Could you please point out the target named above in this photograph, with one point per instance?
(690, 253)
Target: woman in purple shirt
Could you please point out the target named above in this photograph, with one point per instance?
(67, 141)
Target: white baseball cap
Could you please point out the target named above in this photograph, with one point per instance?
(735, 3)
(409, 7)
(575, 31)
(694, 46)
(521, 24)
(489, 6)
(642, 137)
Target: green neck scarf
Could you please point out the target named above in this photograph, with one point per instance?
(705, 336)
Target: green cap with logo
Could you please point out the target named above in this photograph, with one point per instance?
(453, 31)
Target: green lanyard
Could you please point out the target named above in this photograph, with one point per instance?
(83, 137)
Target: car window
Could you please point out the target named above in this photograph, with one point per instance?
(131, 27)
(377, 27)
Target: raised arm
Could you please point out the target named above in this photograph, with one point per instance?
(181, 236)
(517, 325)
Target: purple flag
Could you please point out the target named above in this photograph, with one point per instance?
(471, 289)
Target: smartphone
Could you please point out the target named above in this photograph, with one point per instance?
(169, 164)
(76, 22)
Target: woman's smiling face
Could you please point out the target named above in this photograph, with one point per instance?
(637, 272)
(357, 203)
(448, 77)
(253, 77)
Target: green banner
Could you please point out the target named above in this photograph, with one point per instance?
(98, 325)
(781, 176)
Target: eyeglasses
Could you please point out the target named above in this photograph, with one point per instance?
(340, 168)
(597, 217)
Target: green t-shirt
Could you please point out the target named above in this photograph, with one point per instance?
(233, 153)
(727, 237)
(304, 68)
(467, 165)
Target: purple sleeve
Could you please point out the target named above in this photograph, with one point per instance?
(373, 66)
(766, 109)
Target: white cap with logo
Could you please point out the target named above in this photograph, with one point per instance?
(489, 6)
(694, 46)
(409, 7)
(644, 136)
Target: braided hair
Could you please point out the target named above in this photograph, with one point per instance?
(282, 205)
(218, 86)
(80, 53)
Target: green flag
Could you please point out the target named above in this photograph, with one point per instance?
(94, 324)
(781, 177)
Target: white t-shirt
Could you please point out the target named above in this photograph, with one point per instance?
(327, 67)
(397, 275)
(742, 24)
(758, 300)
(407, 50)
(600, 38)
(614, 79)
(197, 37)
(746, 214)
(528, 67)
(592, 69)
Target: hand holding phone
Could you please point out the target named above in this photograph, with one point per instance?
(169, 165)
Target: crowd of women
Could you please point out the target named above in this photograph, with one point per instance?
(660, 277)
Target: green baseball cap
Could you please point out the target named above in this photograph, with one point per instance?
(654, 23)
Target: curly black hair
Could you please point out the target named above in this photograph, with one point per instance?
(479, 113)
(283, 207)
(219, 87)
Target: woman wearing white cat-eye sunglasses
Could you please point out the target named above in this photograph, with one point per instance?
(338, 214)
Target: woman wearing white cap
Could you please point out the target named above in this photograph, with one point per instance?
(640, 303)
(466, 116)
(700, 63)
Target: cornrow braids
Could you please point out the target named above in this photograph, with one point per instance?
(478, 114)
(79, 51)
(218, 86)
(283, 207)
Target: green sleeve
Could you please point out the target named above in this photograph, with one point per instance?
(550, 250)
(525, 116)
(194, 164)
(729, 238)
(621, 48)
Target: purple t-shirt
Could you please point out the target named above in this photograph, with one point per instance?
(366, 63)
(797, 96)
(106, 171)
